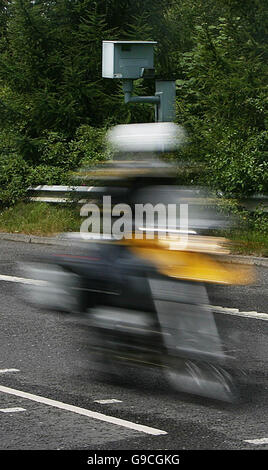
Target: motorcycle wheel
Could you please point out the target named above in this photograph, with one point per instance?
(203, 379)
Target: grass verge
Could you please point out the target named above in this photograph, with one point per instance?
(37, 218)
(250, 242)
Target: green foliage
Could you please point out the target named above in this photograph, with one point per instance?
(245, 221)
(53, 62)
(90, 145)
(55, 106)
(238, 164)
(222, 99)
(39, 218)
(58, 158)
(50, 63)
(14, 172)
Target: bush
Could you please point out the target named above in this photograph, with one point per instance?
(46, 174)
(222, 102)
(245, 220)
(14, 172)
(55, 159)
(90, 144)
(237, 164)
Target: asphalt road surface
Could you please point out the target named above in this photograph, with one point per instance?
(51, 396)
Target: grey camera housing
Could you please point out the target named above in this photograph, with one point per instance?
(127, 59)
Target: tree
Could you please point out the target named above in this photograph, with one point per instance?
(51, 87)
(222, 98)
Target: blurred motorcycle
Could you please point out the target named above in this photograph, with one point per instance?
(147, 304)
(145, 298)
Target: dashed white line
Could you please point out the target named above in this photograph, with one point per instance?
(264, 440)
(238, 313)
(108, 401)
(83, 411)
(11, 410)
(6, 371)
(22, 280)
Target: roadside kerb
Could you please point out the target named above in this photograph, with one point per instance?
(61, 240)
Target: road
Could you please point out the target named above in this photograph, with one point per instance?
(51, 397)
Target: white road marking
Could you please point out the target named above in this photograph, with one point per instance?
(11, 410)
(264, 440)
(238, 313)
(6, 371)
(106, 402)
(214, 308)
(83, 411)
(22, 280)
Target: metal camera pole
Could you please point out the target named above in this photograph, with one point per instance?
(131, 60)
(164, 98)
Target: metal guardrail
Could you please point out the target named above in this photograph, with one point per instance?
(257, 200)
(67, 194)
(82, 194)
